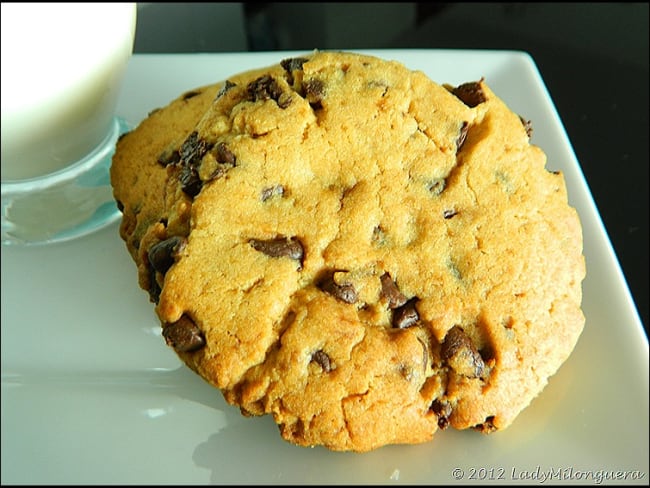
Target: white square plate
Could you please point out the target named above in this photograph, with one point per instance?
(92, 395)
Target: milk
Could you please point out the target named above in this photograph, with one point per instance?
(62, 64)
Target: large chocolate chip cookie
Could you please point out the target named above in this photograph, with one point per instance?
(360, 252)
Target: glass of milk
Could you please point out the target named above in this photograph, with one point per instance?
(62, 68)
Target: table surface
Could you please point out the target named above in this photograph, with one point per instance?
(593, 58)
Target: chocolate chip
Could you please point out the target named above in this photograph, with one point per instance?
(486, 427)
(314, 90)
(191, 94)
(217, 173)
(323, 360)
(225, 88)
(190, 181)
(471, 93)
(460, 354)
(266, 87)
(406, 315)
(443, 410)
(528, 125)
(169, 156)
(390, 291)
(279, 247)
(344, 291)
(225, 155)
(120, 205)
(447, 214)
(226, 160)
(263, 88)
(153, 289)
(290, 65)
(184, 335)
(271, 191)
(293, 64)
(284, 100)
(163, 254)
(193, 149)
(462, 135)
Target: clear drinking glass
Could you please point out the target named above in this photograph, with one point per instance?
(62, 68)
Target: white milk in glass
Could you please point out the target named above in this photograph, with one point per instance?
(62, 65)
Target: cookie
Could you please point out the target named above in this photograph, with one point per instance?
(362, 253)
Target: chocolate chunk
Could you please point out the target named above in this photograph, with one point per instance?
(263, 88)
(314, 90)
(266, 87)
(163, 254)
(486, 427)
(153, 289)
(344, 291)
(225, 88)
(447, 214)
(169, 156)
(462, 135)
(323, 360)
(217, 173)
(191, 94)
(460, 354)
(390, 291)
(471, 93)
(443, 410)
(191, 183)
(292, 64)
(528, 125)
(406, 315)
(193, 149)
(226, 160)
(224, 155)
(284, 100)
(184, 335)
(271, 191)
(279, 247)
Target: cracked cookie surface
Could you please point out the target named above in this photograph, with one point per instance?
(362, 253)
